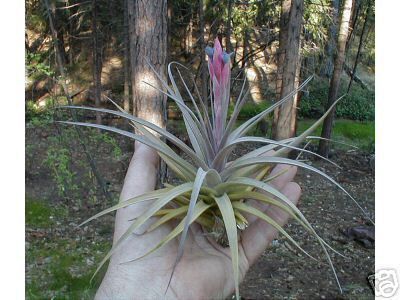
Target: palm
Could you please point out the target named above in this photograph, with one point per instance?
(204, 270)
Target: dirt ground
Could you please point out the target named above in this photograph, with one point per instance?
(283, 273)
(60, 258)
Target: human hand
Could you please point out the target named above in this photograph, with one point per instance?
(204, 271)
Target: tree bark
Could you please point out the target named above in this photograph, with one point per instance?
(335, 80)
(203, 64)
(59, 34)
(288, 67)
(330, 48)
(189, 37)
(126, 58)
(97, 63)
(228, 32)
(148, 44)
(360, 44)
(355, 11)
(246, 38)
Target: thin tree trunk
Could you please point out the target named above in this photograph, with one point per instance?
(189, 37)
(97, 63)
(289, 66)
(246, 37)
(203, 63)
(70, 33)
(126, 58)
(355, 11)
(335, 80)
(360, 44)
(59, 34)
(297, 97)
(330, 48)
(229, 28)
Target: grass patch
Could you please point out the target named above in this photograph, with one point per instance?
(61, 262)
(64, 269)
(40, 214)
(356, 133)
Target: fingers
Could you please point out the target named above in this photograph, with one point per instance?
(259, 234)
(284, 173)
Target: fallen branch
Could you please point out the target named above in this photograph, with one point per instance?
(357, 79)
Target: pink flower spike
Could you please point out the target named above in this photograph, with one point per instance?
(217, 62)
(226, 73)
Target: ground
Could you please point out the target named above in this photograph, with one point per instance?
(61, 257)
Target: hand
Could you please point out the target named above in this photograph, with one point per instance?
(205, 270)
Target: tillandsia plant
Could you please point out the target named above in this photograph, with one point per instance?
(213, 191)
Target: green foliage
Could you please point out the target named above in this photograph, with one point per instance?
(59, 161)
(108, 140)
(243, 21)
(359, 104)
(63, 164)
(40, 214)
(39, 116)
(250, 109)
(37, 65)
(319, 18)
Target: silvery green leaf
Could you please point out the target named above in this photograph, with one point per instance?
(145, 197)
(228, 215)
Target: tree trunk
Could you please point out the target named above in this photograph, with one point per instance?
(360, 44)
(148, 44)
(203, 62)
(355, 11)
(69, 33)
(126, 58)
(97, 63)
(330, 48)
(228, 43)
(288, 67)
(335, 80)
(246, 38)
(189, 37)
(59, 34)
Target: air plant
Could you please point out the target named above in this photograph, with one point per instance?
(213, 191)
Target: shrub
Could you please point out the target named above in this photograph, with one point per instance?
(250, 109)
(39, 116)
(359, 104)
